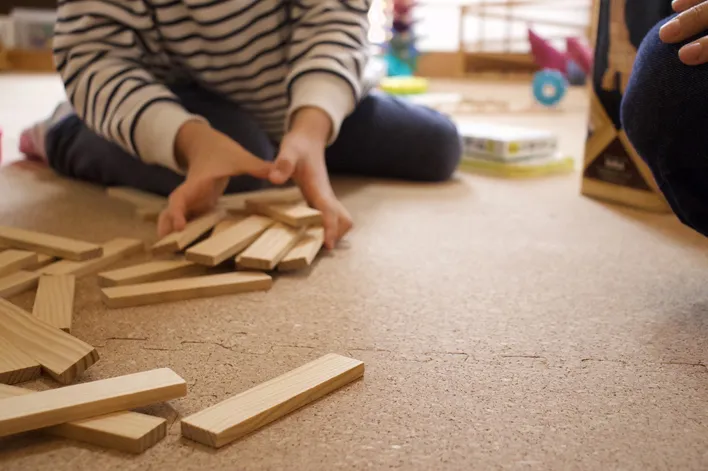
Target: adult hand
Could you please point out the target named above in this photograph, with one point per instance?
(302, 158)
(691, 20)
(211, 159)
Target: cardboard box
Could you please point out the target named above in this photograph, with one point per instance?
(613, 171)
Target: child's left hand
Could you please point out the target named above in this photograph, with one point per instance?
(302, 158)
(692, 20)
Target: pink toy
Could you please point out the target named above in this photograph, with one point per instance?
(580, 54)
(545, 55)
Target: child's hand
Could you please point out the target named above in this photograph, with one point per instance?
(302, 158)
(692, 20)
(211, 159)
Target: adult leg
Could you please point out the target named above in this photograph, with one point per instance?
(76, 151)
(391, 138)
(665, 115)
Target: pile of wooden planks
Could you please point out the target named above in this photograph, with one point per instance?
(227, 251)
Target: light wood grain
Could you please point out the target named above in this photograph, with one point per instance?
(185, 288)
(17, 283)
(304, 252)
(226, 223)
(237, 201)
(195, 229)
(113, 252)
(12, 261)
(229, 242)
(270, 248)
(54, 303)
(148, 213)
(156, 270)
(292, 214)
(130, 432)
(49, 244)
(42, 261)
(15, 365)
(88, 400)
(248, 411)
(61, 355)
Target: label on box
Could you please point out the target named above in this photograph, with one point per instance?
(614, 165)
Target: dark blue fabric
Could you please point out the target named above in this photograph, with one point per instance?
(384, 137)
(665, 116)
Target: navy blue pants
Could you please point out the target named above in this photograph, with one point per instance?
(384, 137)
(665, 115)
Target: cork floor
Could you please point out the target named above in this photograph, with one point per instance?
(504, 325)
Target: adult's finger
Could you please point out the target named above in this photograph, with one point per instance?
(695, 53)
(687, 24)
(683, 5)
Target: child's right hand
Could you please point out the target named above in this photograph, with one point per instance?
(692, 20)
(211, 158)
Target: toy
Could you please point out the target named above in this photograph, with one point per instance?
(549, 87)
(401, 52)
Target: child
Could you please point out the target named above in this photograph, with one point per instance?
(664, 107)
(192, 98)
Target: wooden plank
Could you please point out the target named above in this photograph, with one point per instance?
(54, 303)
(156, 270)
(225, 224)
(229, 242)
(113, 251)
(136, 197)
(15, 365)
(42, 261)
(246, 412)
(49, 244)
(304, 252)
(270, 248)
(15, 260)
(17, 283)
(87, 400)
(292, 214)
(237, 201)
(147, 213)
(64, 357)
(180, 240)
(186, 288)
(130, 432)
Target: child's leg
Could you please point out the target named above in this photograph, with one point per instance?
(74, 150)
(664, 113)
(390, 138)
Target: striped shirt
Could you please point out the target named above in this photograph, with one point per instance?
(117, 59)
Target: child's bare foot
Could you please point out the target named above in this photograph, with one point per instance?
(32, 139)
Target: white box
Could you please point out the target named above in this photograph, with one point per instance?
(506, 143)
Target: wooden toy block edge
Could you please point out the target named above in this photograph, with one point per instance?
(259, 255)
(15, 365)
(142, 273)
(54, 301)
(48, 244)
(246, 412)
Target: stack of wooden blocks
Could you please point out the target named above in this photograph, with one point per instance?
(253, 233)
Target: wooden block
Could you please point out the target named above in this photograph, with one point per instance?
(246, 412)
(88, 400)
(225, 224)
(64, 357)
(136, 197)
(304, 252)
(292, 214)
(42, 261)
(270, 248)
(148, 213)
(17, 283)
(180, 240)
(156, 270)
(185, 288)
(49, 244)
(113, 251)
(54, 303)
(15, 365)
(130, 432)
(237, 201)
(229, 242)
(15, 260)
